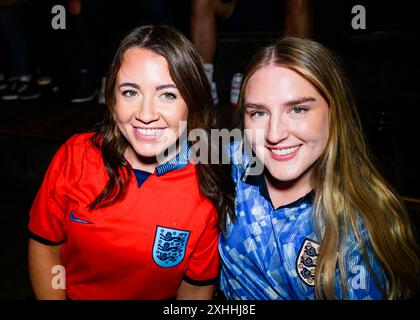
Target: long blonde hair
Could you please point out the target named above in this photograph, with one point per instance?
(349, 190)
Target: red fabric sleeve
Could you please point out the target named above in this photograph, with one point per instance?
(47, 214)
(203, 267)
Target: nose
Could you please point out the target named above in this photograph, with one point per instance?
(277, 131)
(147, 112)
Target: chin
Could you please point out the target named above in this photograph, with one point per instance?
(283, 174)
(147, 151)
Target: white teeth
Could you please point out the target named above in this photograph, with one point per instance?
(284, 152)
(150, 132)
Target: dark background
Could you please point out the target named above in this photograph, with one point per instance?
(382, 63)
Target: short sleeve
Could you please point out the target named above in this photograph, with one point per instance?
(47, 214)
(203, 267)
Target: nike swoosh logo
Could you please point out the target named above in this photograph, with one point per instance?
(74, 219)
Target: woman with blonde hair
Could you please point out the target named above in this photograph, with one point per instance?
(320, 222)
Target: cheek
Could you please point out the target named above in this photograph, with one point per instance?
(121, 114)
(316, 133)
(184, 114)
(255, 130)
(248, 135)
(251, 124)
(256, 138)
(176, 115)
(324, 137)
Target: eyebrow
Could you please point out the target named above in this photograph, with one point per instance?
(289, 103)
(254, 105)
(129, 84)
(135, 85)
(166, 86)
(299, 101)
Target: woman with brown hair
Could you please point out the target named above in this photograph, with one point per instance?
(123, 211)
(320, 222)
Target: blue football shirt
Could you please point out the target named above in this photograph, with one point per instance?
(270, 253)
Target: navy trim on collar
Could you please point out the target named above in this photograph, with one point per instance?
(259, 181)
(141, 176)
(177, 162)
(308, 198)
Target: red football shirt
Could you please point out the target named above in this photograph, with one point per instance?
(140, 247)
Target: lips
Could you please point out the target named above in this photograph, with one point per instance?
(148, 131)
(284, 153)
(147, 134)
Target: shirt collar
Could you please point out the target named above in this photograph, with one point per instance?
(259, 181)
(177, 162)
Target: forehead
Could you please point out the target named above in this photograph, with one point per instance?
(140, 61)
(278, 82)
(136, 54)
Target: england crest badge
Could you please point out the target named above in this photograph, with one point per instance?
(169, 246)
(306, 261)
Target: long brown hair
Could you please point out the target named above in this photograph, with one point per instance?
(348, 187)
(186, 70)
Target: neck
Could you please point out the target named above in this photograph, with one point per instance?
(285, 192)
(148, 164)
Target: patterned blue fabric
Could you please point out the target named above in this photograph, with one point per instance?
(177, 162)
(267, 253)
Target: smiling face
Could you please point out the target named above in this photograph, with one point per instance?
(148, 107)
(294, 118)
